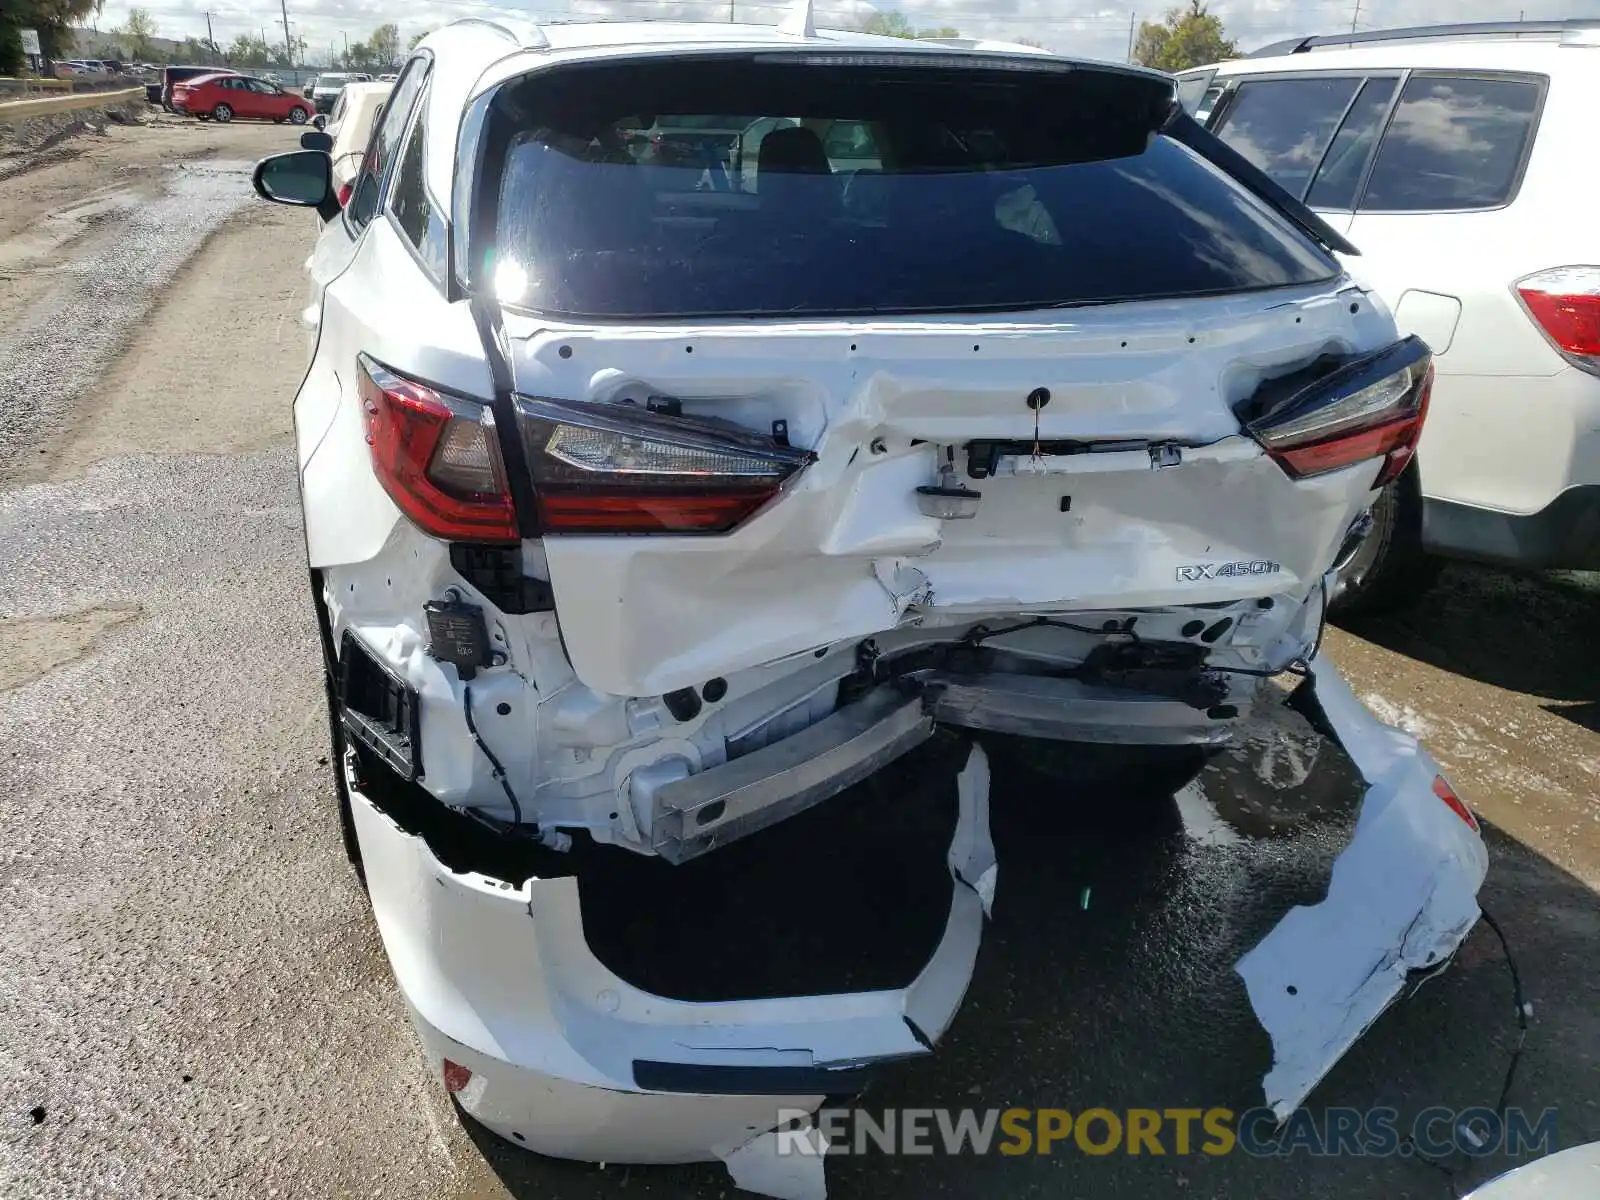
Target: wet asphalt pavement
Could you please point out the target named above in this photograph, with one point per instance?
(194, 1002)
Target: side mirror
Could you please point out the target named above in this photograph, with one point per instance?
(315, 139)
(320, 120)
(303, 178)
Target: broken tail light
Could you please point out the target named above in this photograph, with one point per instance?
(1371, 408)
(436, 457)
(1564, 303)
(619, 468)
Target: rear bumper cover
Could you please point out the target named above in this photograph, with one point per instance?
(570, 1060)
(1564, 535)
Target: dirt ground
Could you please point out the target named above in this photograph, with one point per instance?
(193, 1000)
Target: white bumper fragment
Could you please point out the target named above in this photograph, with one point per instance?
(499, 980)
(1403, 896)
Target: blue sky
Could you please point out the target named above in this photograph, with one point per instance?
(1091, 28)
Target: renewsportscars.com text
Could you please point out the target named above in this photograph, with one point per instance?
(1372, 1133)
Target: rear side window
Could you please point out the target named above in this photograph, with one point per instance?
(1456, 142)
(414, 213)
(952, 190)
(385, 144)
(1283, 126)
(1346, 160)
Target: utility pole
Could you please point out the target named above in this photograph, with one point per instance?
(211, 40)
(1355, 17)
(346, 38)
(288, 40)
(1132, 17)
(730, 11)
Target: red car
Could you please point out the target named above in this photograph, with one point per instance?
(224, 96)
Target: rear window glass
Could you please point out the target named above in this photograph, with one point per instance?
(645, 191)
(1454, 142)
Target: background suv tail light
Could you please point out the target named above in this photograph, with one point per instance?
(1370, 408)
(1564, 303)
(436, 457)
(617, 468)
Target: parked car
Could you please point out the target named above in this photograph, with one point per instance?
(1455, 157)
(325, 88)
(350, 126)
(172, 76)
(224, 98)
(643, 518)
(388, 77)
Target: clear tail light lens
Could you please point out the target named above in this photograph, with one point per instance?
(1564, 303)
(1371, 408)
(436, 456)
(618, 468)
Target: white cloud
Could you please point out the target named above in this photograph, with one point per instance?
(1091, 28)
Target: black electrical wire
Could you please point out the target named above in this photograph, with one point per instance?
(1518, 999)
(499, 771)
(1522, 1013)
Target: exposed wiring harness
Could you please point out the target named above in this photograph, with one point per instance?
(499, 771)
(1299, 665)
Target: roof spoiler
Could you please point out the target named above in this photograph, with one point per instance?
(1183, 128)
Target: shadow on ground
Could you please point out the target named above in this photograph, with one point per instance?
(1538, 634)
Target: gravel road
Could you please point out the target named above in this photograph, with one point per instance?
(194, 1002)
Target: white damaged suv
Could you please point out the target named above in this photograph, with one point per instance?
(660, 488)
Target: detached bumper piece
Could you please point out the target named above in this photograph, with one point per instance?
(1402, 898)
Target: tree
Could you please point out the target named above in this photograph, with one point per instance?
(412, 44)
(248, 50)
(385, 43)
(1185, 38)
(895, 24)
(137, 31)
(53, 19)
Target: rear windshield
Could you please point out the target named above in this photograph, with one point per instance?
(725, 188)
(331, 81)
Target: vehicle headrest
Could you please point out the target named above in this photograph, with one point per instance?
(794, 151)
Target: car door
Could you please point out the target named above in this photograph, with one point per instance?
(341, 238)
(237, 95)
(249, 101)
(1312, 132)
(265, 99)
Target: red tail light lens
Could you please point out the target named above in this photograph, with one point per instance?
(344, 193)
(1443, 790)
(1565, 303)
(436, 457)
(1371, 408)
(616, 468)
